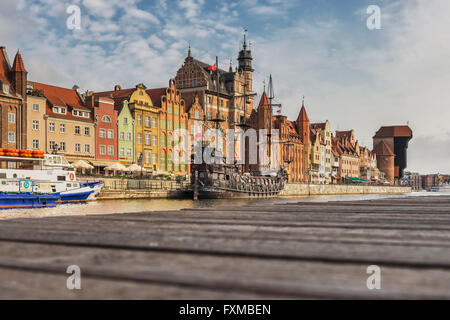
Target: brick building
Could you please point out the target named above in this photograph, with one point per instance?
(195, 79)
(293, 143)
(395, 140)
(13, 102)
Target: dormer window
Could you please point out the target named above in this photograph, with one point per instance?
(5, 88)
(60, 110)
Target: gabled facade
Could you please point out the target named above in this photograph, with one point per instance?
(125, 128)
(194, 78)
(146, 121)
(172, 117)
(293, 139)
(324, 130)
(105, 119)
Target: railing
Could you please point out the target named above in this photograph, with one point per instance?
(133, 184)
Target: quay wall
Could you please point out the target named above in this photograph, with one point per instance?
(116, 189)
(302, 189)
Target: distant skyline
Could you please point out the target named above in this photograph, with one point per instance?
(356, 78)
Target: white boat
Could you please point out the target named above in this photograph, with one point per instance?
(50, 174)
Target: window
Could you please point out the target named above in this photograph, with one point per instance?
(87, 131)
(106, 119)
(122, 152)
(139, 138)
(163, 124)
(110, 134)
(110, 150)
(62, 128)
(154, 122)
(60, 110)
(35, 124)
(129, 136)
(125, 120)
(62, 146)
(169, 110)
(51, 127)
(148, 155)
(77, 147)
(163, 161)
(139, 120)
(35, 107)
(147, 139)
(147, 122)
(153, 140)
(77, 130)
(102, 149)
(209, 100)
(11, 117)
(52, 145)
(169, 161)
(163, 141)
(195, 82)
(176, 125)
(87, 148)
(35, 144)
(197, 115)
(102, 133)
(122, 136)
(184, 84)
(154, 158)
(169, 125)
(11, 137)
(129, 152)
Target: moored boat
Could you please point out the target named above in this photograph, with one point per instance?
(37, 175)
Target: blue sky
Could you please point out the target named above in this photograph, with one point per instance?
(354, 77)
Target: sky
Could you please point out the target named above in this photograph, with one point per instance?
(354, 77)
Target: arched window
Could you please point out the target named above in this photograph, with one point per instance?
(106, 119)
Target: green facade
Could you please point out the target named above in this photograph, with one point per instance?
(126, 135)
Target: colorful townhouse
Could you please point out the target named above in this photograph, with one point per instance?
(68, 124)
(145, 116)
(125, 130)
(349, 152)
(106, 140)
(172, 117)
(324, 130)
(13, 103)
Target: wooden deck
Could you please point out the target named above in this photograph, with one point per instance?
(294, 250)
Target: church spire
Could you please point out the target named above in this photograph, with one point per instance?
(18, 65)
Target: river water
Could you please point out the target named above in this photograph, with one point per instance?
(146, 205)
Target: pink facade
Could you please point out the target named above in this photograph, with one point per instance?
(105, 117)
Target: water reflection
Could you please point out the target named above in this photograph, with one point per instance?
(145, 205)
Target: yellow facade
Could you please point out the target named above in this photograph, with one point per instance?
(36, 123)
(146, 124)
(76, 139)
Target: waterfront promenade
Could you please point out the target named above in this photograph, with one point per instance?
(297, 249)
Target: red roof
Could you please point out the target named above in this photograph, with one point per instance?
(394, 131)
(4, 68)
(18, 63)
(264, 101)
(155, 95)
(320, 126)
(57, 96)
(344, 134)
(302, 115)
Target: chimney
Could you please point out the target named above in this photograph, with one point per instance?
(75, 87)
